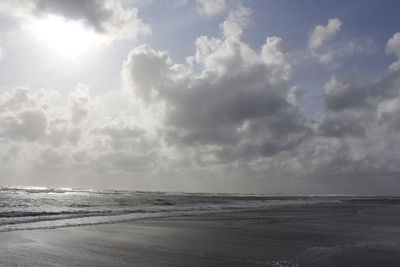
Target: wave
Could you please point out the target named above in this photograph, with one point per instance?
(25, 208)
(24, 220)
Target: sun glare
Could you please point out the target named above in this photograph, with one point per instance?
(67, 38)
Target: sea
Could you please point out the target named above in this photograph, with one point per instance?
(25, 208)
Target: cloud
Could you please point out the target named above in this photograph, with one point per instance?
(118, 132)
(231, 117)
(211, 7)
(322, 48)
(393, 46)
(95, 14)
(276, 58)
(237, 20)
(108, 19)
(29, 116)
(51, 158)
(357, 138)
(60, 132)
(29, 125)
(341, 125)
(320, 35)
(236, 109)
(23, 115)
(120, 146)
(340, 95)
(358, 46)
(79, 103)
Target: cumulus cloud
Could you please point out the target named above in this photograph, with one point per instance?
(393, 46)
(29, 125)
(320, 35)
(341, 125)
(23, 115)
(236, 109)
(357, 138)
(275, 56)
(210, 7)
(341, 94)
(389, 113)
(29, 116)
(237, 20)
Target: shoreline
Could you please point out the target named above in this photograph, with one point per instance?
(315, 235)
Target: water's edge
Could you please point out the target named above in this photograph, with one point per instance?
(28, 208)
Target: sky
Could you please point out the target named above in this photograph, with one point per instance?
(276, 97)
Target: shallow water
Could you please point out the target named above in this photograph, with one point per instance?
(23, 208)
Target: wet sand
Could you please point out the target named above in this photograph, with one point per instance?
(359, 233)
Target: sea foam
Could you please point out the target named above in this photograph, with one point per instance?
(24, 208)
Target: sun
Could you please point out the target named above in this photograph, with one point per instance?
(68, 38)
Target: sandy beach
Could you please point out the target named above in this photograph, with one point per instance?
(357, 234)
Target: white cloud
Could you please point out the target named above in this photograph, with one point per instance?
(389, 113)
(393, 46)
(360, 46)
(322, 47)
(237, 20)
(29, 116)
(211, 7)
(275, 56)
(320, 35)
(23, 114)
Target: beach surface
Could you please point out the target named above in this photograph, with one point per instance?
(360, 233)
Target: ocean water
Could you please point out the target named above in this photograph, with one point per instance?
(24, 208)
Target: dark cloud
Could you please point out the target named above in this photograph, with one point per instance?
(340, 95)
(93, 12)
(108, 18)
(343, 125)
(29, 125)
(240, 99)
